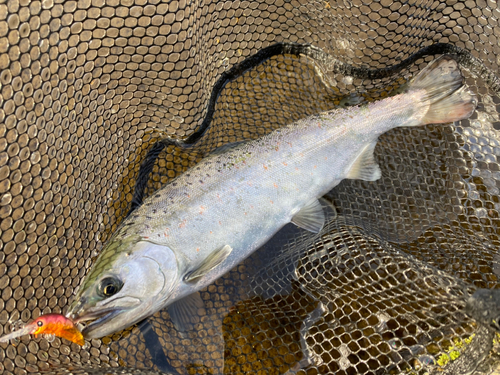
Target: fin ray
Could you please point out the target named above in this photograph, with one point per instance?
(181, 311)
(365, 167)
(311, 217)
(212, 261)
(329, 207)
(448, 99)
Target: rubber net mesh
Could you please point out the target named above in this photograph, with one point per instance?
(403, 281)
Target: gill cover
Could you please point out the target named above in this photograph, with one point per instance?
(124, 287)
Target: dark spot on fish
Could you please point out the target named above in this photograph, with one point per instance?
(201, 181)
(157, 195)
(208, 175)
(198, 168)
(154, 211)
(174, 183)
(148, 217)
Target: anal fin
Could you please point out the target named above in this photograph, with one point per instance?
(311, 217)
(365, 167)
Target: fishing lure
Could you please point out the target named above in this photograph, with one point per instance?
(50, 324)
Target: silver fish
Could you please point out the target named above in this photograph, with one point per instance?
(209, 219)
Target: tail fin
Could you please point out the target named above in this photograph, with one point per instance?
(449, 99)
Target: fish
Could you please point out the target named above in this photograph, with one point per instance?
(49, 324)
(207, 220)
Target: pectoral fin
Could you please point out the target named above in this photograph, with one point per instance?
(212, 261)
(311, 217)
(181, 311)
(365, 167)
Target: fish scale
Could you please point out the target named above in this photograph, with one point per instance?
(209, 219)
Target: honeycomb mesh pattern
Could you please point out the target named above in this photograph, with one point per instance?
(87, 87)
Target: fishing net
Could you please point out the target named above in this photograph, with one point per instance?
(102, 102)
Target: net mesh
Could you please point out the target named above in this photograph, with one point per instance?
(403, 281)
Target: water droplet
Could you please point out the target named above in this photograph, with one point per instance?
(16, 325)
(49, 337)
(348, 80)
(426, 360)
(394, 343)
(417, 365)
(481, 212)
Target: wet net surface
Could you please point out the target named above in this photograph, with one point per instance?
(395, 285)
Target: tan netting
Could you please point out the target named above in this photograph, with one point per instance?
(396, 284)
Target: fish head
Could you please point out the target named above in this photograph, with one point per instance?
(130, 280)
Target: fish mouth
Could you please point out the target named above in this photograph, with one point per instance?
(94, 320)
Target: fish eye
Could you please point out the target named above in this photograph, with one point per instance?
(109, 286)
(39, 323)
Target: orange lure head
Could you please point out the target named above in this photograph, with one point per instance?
(59, 325)
(50, 324)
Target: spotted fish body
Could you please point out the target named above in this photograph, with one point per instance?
(209, 219)
(244, 196)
